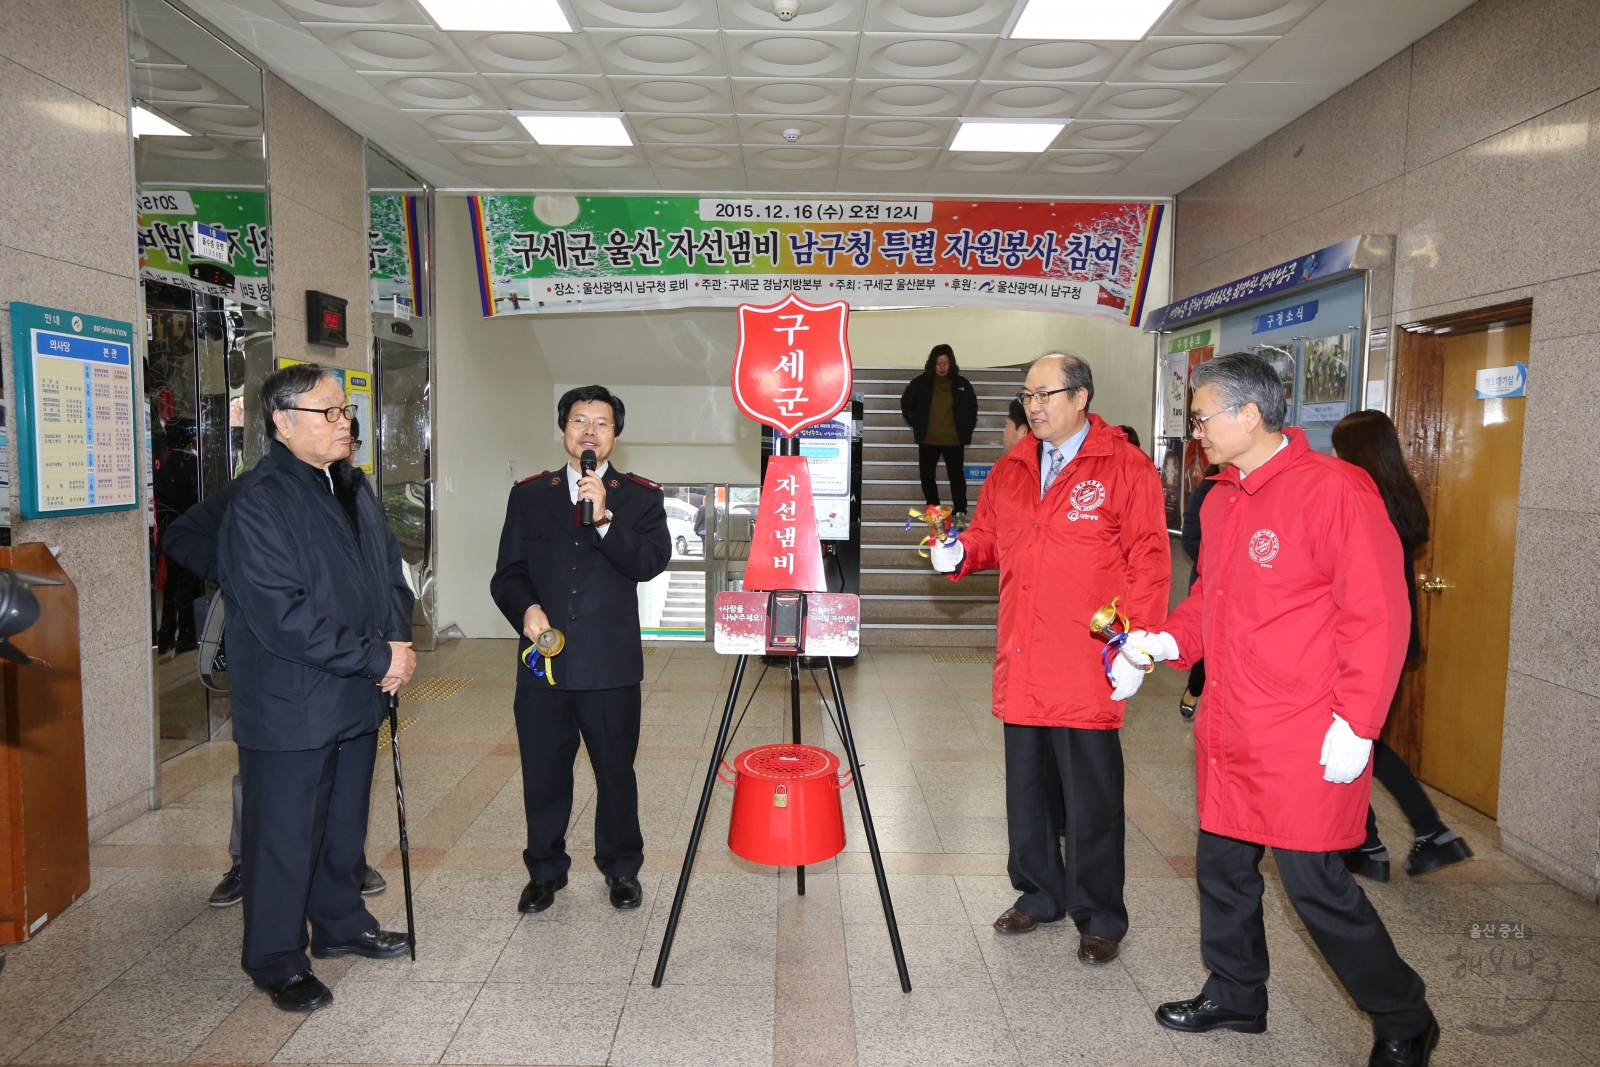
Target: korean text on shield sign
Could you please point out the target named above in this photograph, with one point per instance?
(794, 365)
(786, 512)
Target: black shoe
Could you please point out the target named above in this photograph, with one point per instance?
(1370, 863)
(376, 944)
(1429, 855)
(230, 890)
(1185, 707)
(1411, 1052)
(1200, 1015)
(373, 883)
(625, 893)
(540, 894)
(303, 992)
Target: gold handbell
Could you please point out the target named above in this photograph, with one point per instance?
(1104, 622)
(550, 642)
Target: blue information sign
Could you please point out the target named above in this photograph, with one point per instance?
(1289, 316)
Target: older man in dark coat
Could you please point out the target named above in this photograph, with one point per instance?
(319, 630)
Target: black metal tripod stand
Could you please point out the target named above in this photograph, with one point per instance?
(719, 751)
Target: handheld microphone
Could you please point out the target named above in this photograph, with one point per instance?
(587, 463)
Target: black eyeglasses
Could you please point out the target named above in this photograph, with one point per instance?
(1042, 396)
(331, 414)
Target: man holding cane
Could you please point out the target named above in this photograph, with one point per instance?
(1073, 517)
(319, 631)
(1301, 614)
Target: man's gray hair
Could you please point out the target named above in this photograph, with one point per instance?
(1241, 378)
(283, 388)
(1075, 373)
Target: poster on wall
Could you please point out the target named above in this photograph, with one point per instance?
(544, 254)
(213, 241)
(827, 448)
(394, 252)
(1325, 396)
(358, 391)
(75, 403)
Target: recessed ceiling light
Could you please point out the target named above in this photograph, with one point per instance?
(576, 128)
(147, 123)
(504, 16)
(1087, 20)
(1006, 135)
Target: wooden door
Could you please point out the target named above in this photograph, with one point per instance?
(1466, 574)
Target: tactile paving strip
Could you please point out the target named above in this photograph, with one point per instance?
(962, 657)
(383, 731)
(440, 688)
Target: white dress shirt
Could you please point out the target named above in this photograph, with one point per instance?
(572, 489)
(1069, 450)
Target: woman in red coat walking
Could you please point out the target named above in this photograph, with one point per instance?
(1300, 612)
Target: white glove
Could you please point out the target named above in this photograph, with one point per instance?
(946, 558)
(1344, 755)
(1125, 677)
(1143, 648)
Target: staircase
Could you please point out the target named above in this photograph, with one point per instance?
(903, 602)
(685, 607)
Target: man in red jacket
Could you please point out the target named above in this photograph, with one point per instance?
(1301, 615)
(1073, 517)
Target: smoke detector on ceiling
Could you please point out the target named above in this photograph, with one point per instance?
(791, 135)
(785, 9)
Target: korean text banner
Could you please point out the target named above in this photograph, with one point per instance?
(236, 264)
(394, 251)
(543, 254)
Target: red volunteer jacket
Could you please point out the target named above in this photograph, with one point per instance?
(1300, 612)
(1100, 532)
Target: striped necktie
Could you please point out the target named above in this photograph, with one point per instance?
(1057, 458)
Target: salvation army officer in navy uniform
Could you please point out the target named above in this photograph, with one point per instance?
(556, 572)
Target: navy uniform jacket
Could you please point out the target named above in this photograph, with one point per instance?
(586, 584)
(312, 605)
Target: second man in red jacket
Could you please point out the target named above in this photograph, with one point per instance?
(1073, 517)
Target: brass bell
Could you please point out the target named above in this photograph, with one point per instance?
(550, 642)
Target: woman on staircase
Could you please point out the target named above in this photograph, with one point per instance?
(941, 408)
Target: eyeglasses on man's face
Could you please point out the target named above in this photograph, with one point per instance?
(583, 423)
(1042, 396)
(332, 414)
(1197, 423)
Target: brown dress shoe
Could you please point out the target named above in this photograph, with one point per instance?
(1015, 921)
(1097, 950)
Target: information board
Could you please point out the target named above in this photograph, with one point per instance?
(826, 446)
(75, 408)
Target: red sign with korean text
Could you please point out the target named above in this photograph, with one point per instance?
(792, 369)
(785, 552)
(833, 624)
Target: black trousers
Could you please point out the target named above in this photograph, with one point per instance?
(928, 457)
(549, 723)
(183, 588)
(1336, 913)
(304, 822)
(1391, 770)
(1084, 769)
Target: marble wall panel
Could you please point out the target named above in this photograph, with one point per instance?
(1550, 779)
(1560, 451)
(1221, 211)
(69, 40)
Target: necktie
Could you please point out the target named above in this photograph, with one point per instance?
(1057, 458)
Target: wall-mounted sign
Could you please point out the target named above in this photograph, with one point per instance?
(184, 234)
(542, 254)
(358, 394)
(75, 404)
(1289, 316)
(327, 319)
(394, 251)
(826, 447)
(1500, 383)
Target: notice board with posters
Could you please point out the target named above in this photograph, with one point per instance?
(75, 405)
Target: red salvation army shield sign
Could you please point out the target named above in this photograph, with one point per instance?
(792, 369)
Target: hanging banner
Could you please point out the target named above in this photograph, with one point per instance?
(393, 254)
(543, 254)
(214, 241)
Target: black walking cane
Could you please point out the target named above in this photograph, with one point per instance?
(400, 807)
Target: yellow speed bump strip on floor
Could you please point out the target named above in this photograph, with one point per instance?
(962, 657)
(440, 688)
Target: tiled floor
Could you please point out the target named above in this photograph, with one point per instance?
(141, 971)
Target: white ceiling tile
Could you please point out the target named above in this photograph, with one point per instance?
(413, 48)
(1228, 18)
(701, 181)
(1132, 186)
(687, 96)
(585, 178)
(396, 12)
(957, 184)
(480, 126)
(1264, 100)
(1081, 162)
(1180, 163)
(898, 98)
(768, 130)
(647, 14)
(695, 156)
(1046, 61)
(1060, 184)
(1318, 58)
(791, 181)
(755, 54)
(1189, 59)
(985, 162)
(1402, 23)
(496, 154)
(684, 129)
(568, 157)
(542, 93)
(814, 96)
(529, 53)
(1111, 136)
(889, 160)
(892, 183)
(444, 92)
(940, 16)
(791, 157)
(899, 55)
(814, 15)
(1028, 100)
(681, 53)
(1217, 134)
(899, 132)
(1143, 101)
